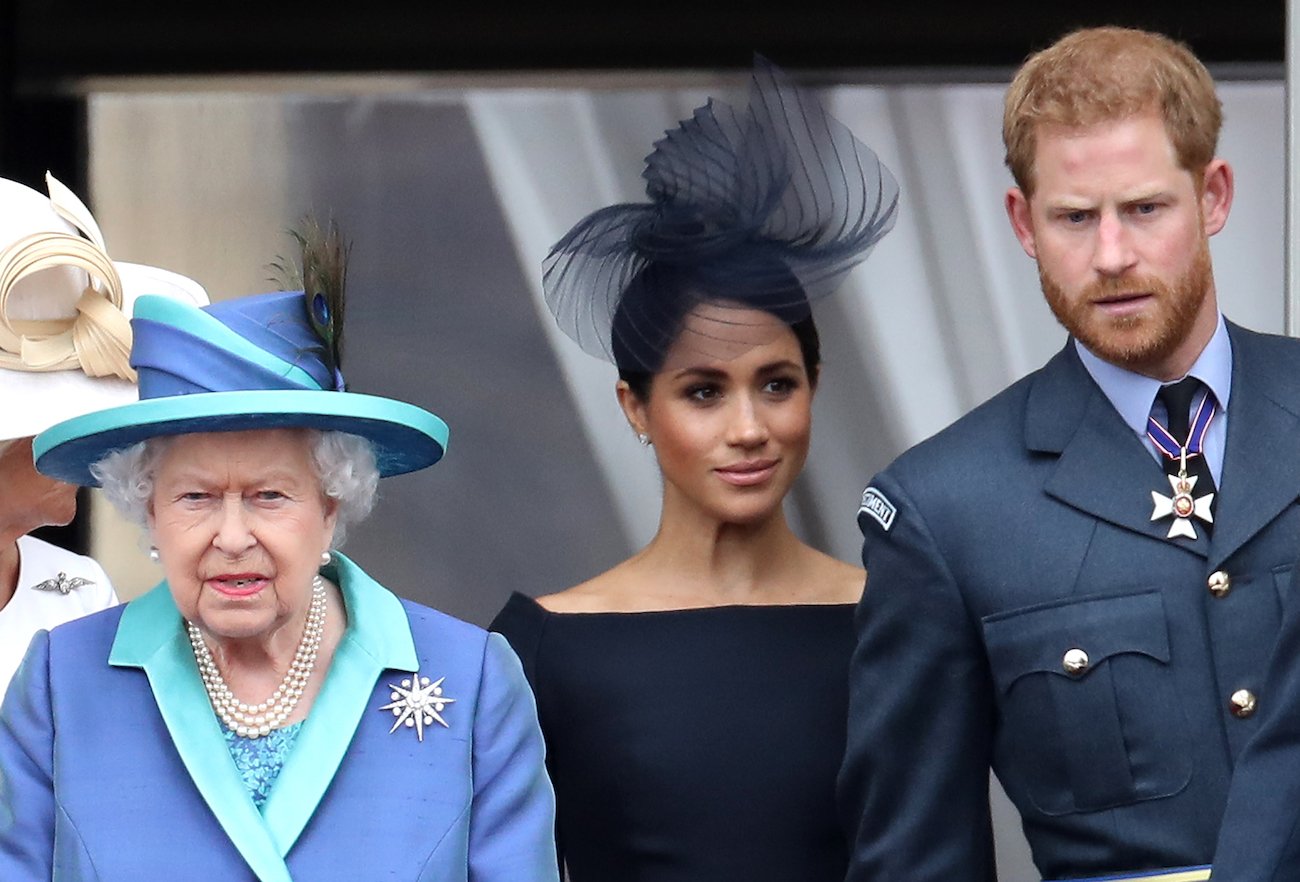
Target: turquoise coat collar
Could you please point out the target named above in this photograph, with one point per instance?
(151, 636)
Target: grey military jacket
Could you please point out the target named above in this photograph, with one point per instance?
(1023, 612)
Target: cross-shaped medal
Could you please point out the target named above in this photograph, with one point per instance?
(1182, 505)
(1178, 443)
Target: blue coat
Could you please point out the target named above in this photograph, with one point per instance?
(1024, 531)
(113, 766)
(1260, 839)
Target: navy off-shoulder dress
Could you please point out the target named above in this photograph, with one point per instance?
(692, 745)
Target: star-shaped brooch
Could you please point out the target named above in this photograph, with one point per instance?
(418, 703)
(62, 584)
(1182, 506)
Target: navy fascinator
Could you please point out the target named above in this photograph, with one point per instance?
(764, 207)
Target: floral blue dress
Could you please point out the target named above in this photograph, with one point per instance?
(260, 760)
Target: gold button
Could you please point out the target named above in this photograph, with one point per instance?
(1220, 583)
(1075, 662)
(1243, 703)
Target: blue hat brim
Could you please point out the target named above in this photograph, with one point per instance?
(405, 437)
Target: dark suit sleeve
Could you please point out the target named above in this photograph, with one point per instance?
(914, 785)
(513, 816)
(1260, 837)
(27, 769)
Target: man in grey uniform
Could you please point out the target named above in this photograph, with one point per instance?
(1078, 583)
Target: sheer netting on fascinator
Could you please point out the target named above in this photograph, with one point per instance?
(765, 207)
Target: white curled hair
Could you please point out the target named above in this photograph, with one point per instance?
(344, 463)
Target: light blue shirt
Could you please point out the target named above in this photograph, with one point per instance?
(1133, 395)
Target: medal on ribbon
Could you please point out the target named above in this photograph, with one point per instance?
(1183, 505)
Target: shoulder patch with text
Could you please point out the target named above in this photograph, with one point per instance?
(878, 506)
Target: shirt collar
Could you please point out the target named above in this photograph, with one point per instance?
(377, 621)
(1133, 394)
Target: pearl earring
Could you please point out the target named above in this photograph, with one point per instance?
(325, 558)
(153, 553)
(643, 438)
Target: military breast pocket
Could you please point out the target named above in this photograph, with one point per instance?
(1088, 702)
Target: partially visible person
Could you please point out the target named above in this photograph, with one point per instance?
(1078, 583)
(269, 710)
(64, 345)
(693, 697)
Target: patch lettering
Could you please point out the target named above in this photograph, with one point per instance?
(878, 506)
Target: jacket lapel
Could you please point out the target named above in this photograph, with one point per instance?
(1263, 427)
(1103, 468)
(378, 638)
(151, 636)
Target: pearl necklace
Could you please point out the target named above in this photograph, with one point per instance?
(257, 720)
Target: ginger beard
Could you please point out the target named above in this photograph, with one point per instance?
(1139, 341)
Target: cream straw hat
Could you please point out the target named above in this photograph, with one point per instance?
(65, 309)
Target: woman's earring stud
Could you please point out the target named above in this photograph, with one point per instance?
(643, 438)
(325, 558)
(153, 553)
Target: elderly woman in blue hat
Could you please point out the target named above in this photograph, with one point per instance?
(269, 711)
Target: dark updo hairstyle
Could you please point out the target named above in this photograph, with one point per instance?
(652, 311)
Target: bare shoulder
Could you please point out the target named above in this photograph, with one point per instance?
(835, 580)
(634, 586)
(603, 593)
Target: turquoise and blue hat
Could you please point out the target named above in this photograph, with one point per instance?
(244, 364)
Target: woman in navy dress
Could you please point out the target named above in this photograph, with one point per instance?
(693, 697)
